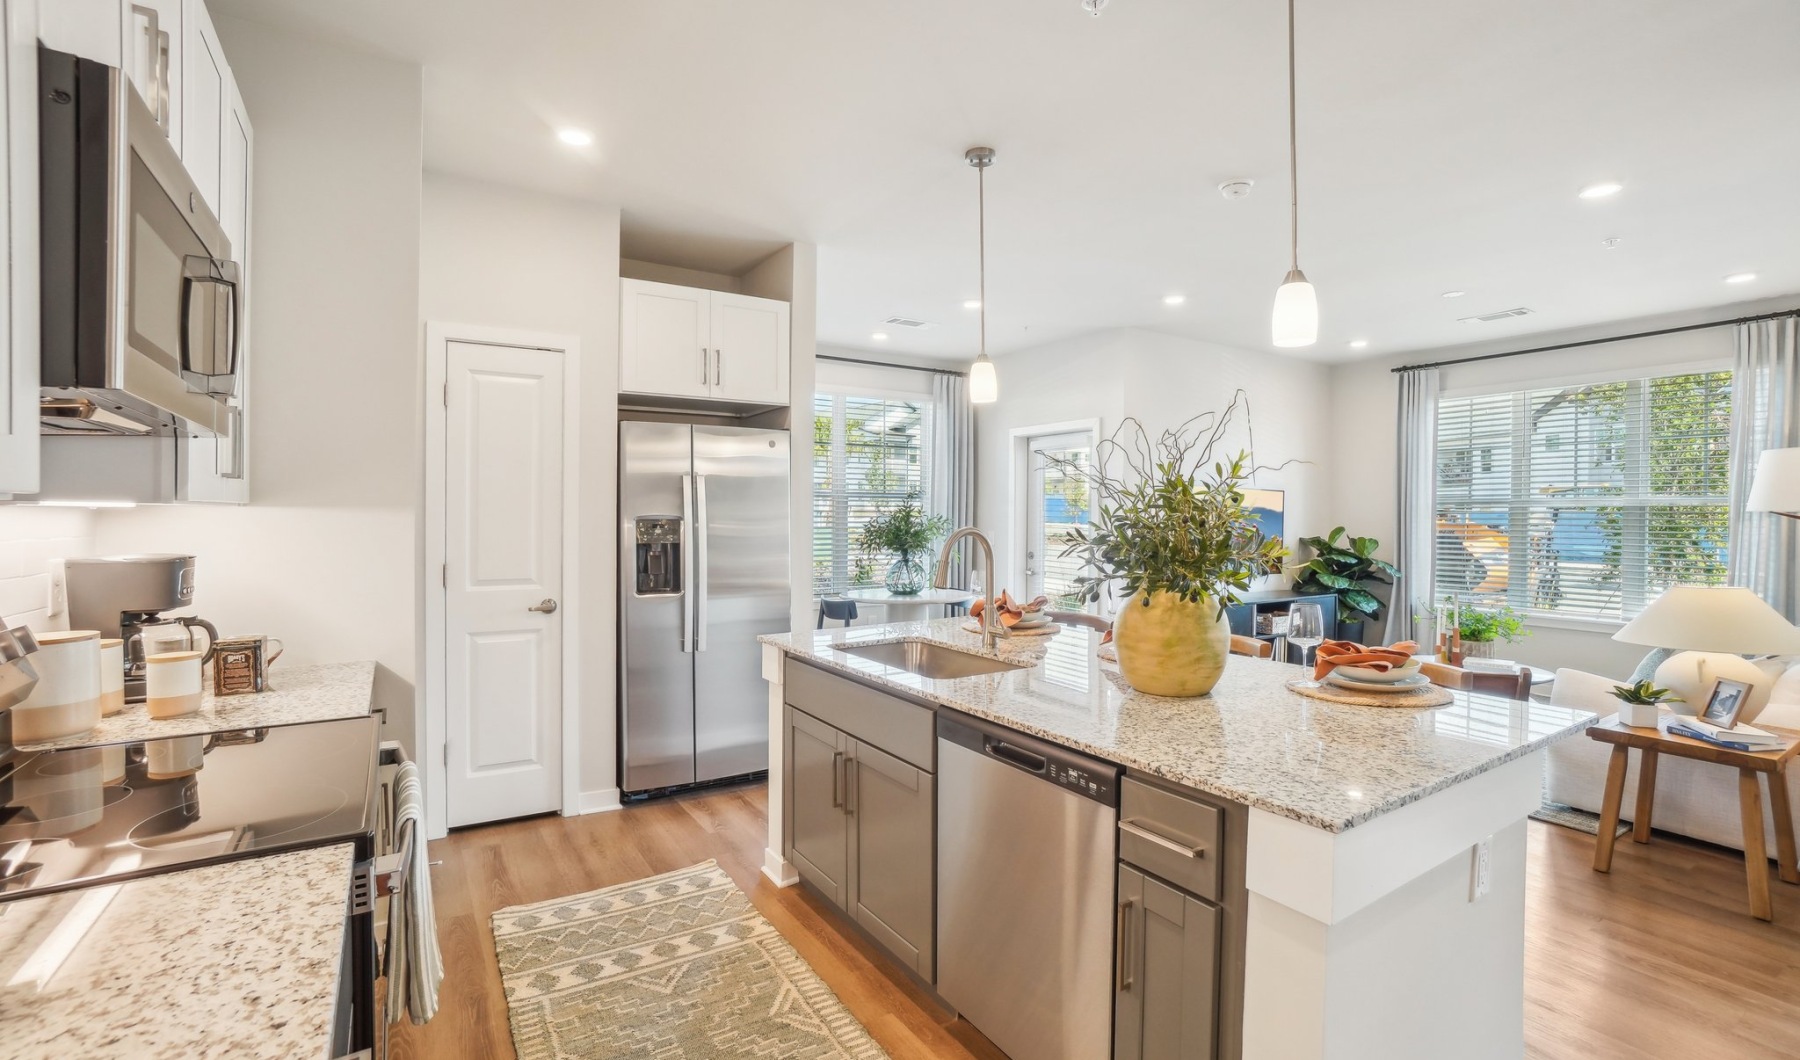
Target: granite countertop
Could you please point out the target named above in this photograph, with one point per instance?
(296, 695)
(234, 960)
(1251, 740)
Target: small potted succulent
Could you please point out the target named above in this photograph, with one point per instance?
(1638, 703)
(906, 533)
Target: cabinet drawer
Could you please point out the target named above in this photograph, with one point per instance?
(900, 727)
(1172, 836)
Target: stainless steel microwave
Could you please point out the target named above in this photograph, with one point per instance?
(140, 296)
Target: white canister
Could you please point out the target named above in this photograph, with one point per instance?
(112, 676)
(112, 760)
(66, 701)
(172, 683)
(64, 791)
(177, 757)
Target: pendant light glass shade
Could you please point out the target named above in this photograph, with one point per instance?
(984, 387)
(1295, 321)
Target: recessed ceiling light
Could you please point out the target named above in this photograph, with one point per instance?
(1359, 344)
(973, 303)
(1174, 299)
(1454, 294)
(1740, 277)
(575, 137)
(879, 336)
(1602, 190)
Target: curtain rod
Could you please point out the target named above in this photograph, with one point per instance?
(883, 364)
(1596, 342)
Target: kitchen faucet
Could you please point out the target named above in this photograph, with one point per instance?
(990, 614)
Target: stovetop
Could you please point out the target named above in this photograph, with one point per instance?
(71, 817)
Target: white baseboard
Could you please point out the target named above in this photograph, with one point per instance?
(600, 801)
(779, 870)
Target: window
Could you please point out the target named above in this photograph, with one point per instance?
(868, 455)
(1585, 501)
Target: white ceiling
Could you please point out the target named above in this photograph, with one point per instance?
(1441, 146)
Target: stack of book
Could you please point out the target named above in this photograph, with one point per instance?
(1738, 738)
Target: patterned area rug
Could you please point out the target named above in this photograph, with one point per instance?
(675, 966)
(1570, 817)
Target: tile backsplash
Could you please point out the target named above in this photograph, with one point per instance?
(30, 539)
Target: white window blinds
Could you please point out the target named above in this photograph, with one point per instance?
(868, 456)
(1584, 501)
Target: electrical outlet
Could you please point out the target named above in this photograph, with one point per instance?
(59, 590)
(1482, 873)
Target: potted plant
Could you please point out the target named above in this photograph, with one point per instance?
(906, 533)
(1638, 703)
(1343, 566)
(1172, 532)
(1482, 627)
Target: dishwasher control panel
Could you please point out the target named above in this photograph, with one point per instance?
(1095, 784)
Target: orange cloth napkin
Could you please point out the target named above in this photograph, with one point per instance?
(1011, 612)
(1335, 653)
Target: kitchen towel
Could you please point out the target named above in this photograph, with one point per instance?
(415, 966)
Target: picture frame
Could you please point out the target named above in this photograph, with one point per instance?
(1725, 703)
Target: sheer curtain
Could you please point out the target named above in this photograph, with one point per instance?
(1417, 496)
(1765, 414)
(951, 450)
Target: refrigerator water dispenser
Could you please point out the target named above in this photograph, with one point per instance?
(658, 555)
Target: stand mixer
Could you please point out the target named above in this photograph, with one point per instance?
(122, 595)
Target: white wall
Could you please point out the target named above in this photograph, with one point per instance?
(495, 257)
(30, 539)
(1364, 404)
(323, 556)
(1161, 380)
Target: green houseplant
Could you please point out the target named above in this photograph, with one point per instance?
(1638, 703)
(906, 533)
(1482, 627)
(1172, 533)
(1343, 566)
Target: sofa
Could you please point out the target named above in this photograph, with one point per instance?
(1695, 799)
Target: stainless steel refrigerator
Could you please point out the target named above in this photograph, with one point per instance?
(703, 516)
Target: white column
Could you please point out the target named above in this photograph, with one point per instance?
(775, 862)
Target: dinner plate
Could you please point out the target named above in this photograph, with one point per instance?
(1365, 673)
(1402, 685)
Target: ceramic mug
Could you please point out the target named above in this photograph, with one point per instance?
(66, 701)
(241, 664)
(112, 676)
(172, 683)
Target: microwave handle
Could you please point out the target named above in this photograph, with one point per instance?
(204, 270)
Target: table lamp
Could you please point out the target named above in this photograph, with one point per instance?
(1711, 630)
(1776, 485)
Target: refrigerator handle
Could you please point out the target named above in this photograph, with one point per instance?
(687, 564)
(697, 587)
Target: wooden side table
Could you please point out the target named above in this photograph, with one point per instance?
(1652, 744)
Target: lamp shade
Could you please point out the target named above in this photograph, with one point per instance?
(1717, 619)
(984, 387)
(1776, 485)
(1295, 321)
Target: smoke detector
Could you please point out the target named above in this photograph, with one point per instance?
(1093, 7)
(1236, 189)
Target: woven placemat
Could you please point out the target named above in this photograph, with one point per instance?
(1422, 696)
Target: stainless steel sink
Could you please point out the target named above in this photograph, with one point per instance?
(929, 660)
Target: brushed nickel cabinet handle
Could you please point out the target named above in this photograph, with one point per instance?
(837, 774)
(1122, 968)
(1130, 827)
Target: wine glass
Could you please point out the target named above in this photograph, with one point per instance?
(1306, 627)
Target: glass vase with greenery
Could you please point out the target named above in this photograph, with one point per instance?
(1343, 566)
(1172, 533)
(906, 533)
(1481, 627)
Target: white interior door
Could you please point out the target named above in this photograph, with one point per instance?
(503, 494)
(1056, 504)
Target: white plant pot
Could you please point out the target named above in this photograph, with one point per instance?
(1639, 715)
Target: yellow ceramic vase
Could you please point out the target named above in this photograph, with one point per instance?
(1171, 647)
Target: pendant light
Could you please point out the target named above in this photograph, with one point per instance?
(1295, 321)
(984, 387)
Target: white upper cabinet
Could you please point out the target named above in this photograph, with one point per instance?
(153, 48)
(664, 345)
(18, 269)
(216, 468)
(206, 90)
(750, 349)
(687, 342)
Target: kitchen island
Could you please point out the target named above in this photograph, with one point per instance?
(1364, 830)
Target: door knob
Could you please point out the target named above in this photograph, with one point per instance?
(546, 606)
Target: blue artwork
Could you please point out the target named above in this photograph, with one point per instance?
(1266, 509)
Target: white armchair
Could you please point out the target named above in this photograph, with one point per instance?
(1696, 799)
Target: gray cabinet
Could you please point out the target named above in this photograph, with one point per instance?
(1166, 981)
(861, 818)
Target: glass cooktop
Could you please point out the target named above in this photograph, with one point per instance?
(71, 817)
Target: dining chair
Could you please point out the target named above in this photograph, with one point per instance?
(1079, 618)
(1258, 649)
(837, 610)
(1512, 686)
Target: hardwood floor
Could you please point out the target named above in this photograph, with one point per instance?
(1659, 959)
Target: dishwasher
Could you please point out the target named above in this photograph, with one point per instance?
(1026, 834)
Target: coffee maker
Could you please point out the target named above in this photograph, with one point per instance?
(120, 595)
